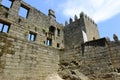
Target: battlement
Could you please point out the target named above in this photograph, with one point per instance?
(34, 46)
(83, 25)
(82, 15)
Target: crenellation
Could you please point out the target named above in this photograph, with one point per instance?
(81, 14)
(115, 37)
(87, 18)
(75, 17)
(70, 20)
(66, 23)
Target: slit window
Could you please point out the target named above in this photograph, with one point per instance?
(4, 27)
(118, 70)
(58, 45)
(7, 3)
(32, 36)
(49, 42)
(23, 11)
(58, 32)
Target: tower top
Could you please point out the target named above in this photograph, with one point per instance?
(51, 13)
(81, 14)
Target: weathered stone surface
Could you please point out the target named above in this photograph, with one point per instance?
(36, 47)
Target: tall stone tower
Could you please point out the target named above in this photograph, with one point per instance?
(79, 31)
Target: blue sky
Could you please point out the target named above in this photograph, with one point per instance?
(105, 13)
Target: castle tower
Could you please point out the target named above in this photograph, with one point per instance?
(79, 31)
(89, 28)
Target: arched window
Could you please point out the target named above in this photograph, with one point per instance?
(52, 30)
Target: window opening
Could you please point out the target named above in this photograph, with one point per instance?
(49, 42)
(19, 20)
(44, 42)
(23, 11)
(93, 38)
(4, 27)
(58, 45)
(7, 3)
(32, 36)
(6, 15)
(52, 30)
(58, 32)
(118, 70)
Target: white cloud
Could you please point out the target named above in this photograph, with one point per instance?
(99, 10)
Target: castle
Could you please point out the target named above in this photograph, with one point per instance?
(34, 46)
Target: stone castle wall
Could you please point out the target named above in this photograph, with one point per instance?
(114, 51)
(35, 22)
(22, 60)
(35, 46)
(71, 37)
(28, 59)
(97, 59)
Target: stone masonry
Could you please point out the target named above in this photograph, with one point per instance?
(34, 46)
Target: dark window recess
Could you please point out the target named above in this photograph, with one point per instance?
(52, 30)
(7, 3)
(6, 15)
(36, 29)
(32, 36)
(118, 70)
(62, 41)
(4, 27)
(19, 20)
(49, 42)
(44, 42)
(58, 45)
(58, 32)
(23, 11)
(45, 33)
(93, 38)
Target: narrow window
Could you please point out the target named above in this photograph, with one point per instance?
(58, 32)
(49, 42)
(118, 70)
(7, 3)
(1, 27)
(93, 38)
(6, 15)
(4, 27)
(32, 36)
(23, 11)
(58, 45)
(44, 42)
(52, 30)
(19, 20)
